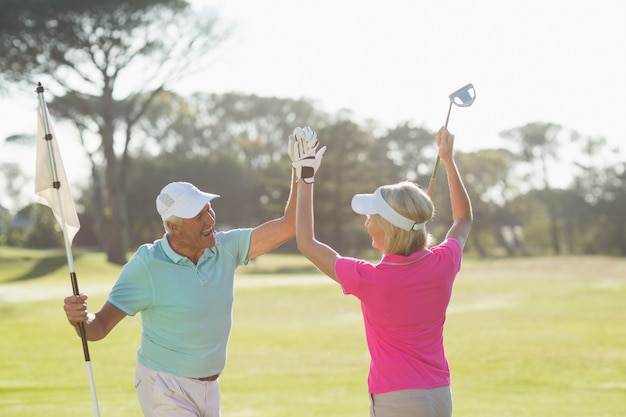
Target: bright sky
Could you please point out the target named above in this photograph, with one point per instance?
(558, 61)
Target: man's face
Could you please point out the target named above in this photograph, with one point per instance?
(199, 231)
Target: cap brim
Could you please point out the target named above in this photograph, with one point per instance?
(363, 204)
(190, 205)
(192, 208)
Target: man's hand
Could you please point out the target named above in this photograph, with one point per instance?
(75, 307)
(308, 137)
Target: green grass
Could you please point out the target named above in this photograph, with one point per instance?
(525, 337)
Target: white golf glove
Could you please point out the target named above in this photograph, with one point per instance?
(310, 165)
(302, 149)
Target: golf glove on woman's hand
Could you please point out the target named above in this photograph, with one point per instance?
(302, 149)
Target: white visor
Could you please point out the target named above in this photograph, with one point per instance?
(376, 204)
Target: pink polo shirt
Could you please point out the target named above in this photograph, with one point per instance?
(404, 301)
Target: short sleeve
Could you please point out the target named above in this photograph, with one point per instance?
(132, 291)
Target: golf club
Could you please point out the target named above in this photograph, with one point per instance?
(463, 97)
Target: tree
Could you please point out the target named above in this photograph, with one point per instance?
(486, 177)
(601, 184)
(34, 226)
(539, 148)
(14, 183)
(105, 62)
(413, 150)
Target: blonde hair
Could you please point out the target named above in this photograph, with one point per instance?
(412, 202)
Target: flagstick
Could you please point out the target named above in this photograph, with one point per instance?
(68, 249)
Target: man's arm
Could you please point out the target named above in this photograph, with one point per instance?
(97, 325)
(274, 233)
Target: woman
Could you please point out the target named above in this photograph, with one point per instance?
(403, 297)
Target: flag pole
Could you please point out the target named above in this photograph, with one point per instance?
(56, 184)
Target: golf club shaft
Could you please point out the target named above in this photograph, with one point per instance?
(445, 126)
(433, 177)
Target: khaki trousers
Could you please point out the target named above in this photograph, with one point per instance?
(436, 402)
(165, 395)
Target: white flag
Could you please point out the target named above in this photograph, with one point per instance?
(58, 199)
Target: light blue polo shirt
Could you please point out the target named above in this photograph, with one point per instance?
(186, 309)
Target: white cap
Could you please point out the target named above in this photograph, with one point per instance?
(181, 199)
(376, 204)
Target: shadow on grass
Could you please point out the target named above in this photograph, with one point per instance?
(43, 267)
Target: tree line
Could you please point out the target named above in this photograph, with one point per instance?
(235, 145)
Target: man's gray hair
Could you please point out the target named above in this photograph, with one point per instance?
(172, 219)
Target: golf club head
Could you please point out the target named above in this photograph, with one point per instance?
(464, 96)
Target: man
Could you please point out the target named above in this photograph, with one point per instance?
(183, 286)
